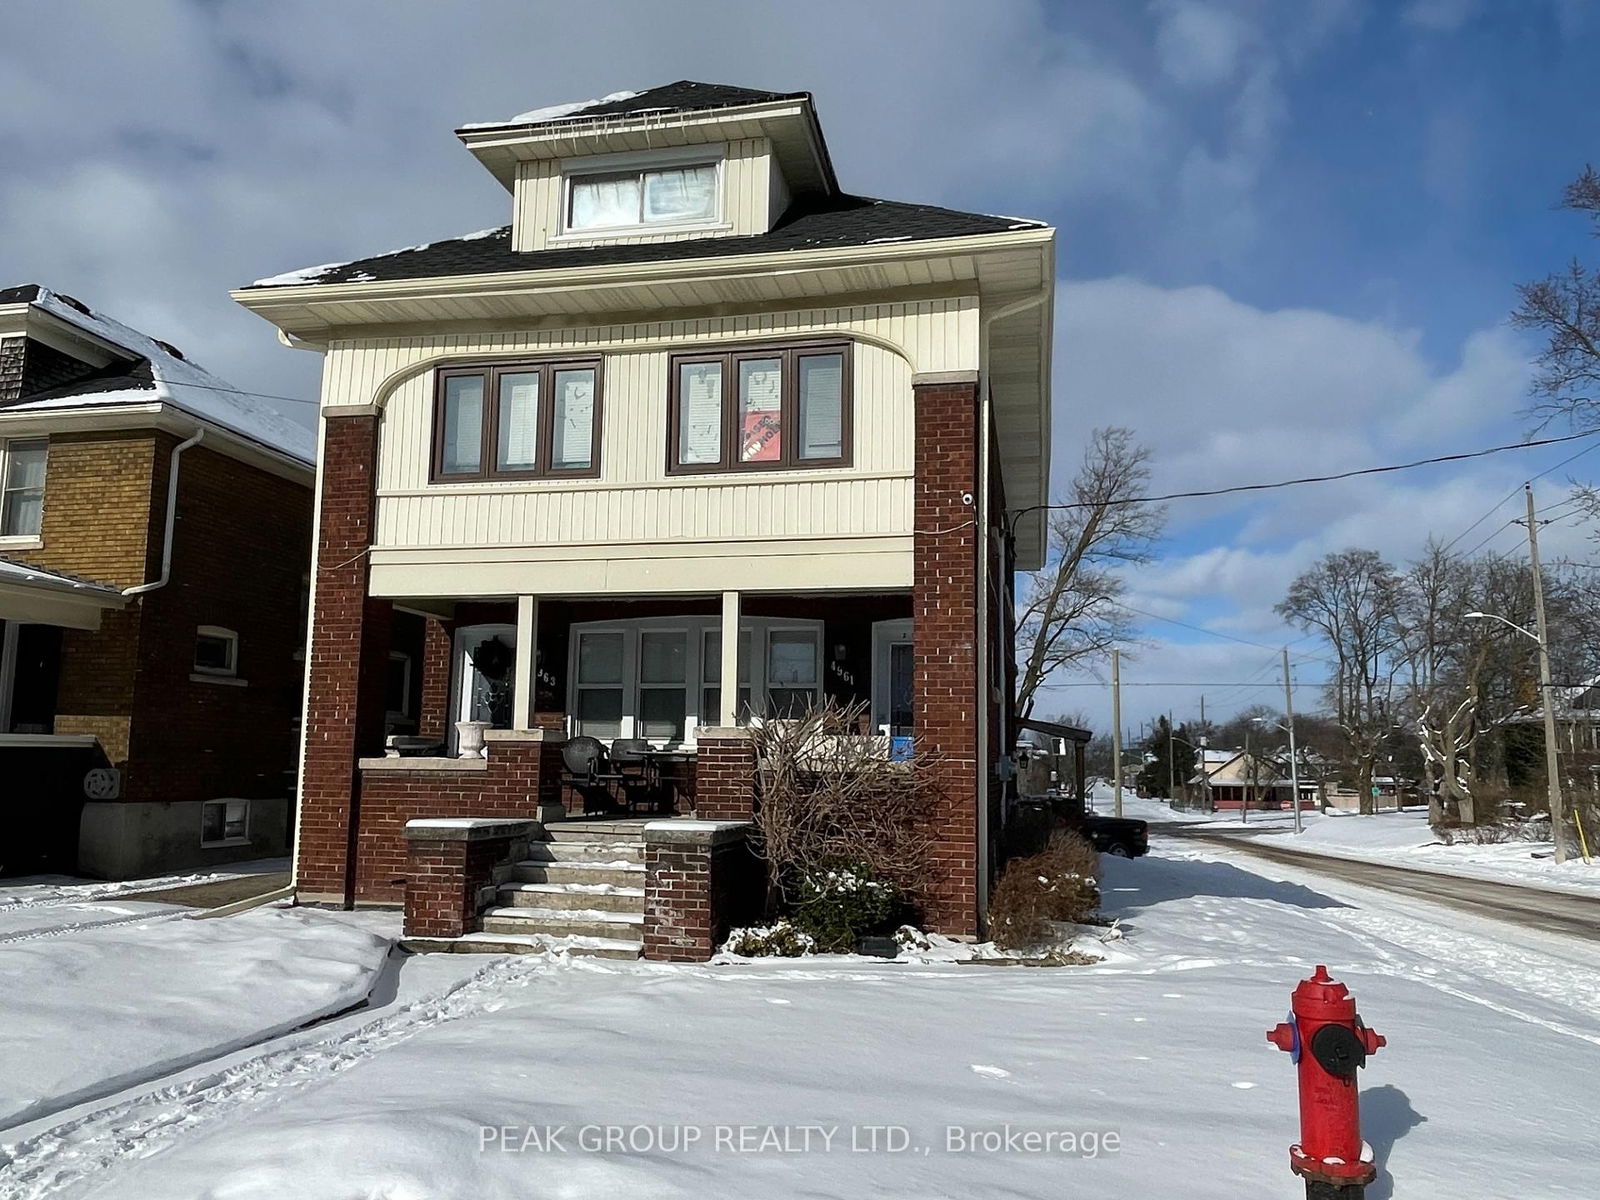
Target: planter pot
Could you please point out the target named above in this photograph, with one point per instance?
(469, 739)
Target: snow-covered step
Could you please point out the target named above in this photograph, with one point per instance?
(527, 943)
(565, 922)
(595, 831)
(587, 850)
(603, 896)
(617, 874)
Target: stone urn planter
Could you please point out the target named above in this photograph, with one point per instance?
(469, 738)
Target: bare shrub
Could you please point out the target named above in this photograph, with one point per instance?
(1535, 829)
(830, 798)
(1061, 883)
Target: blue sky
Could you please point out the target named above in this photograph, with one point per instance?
(1290, 229)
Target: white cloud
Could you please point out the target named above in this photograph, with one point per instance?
(1198, 44)
(1441, 16)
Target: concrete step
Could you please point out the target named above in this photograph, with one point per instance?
(595, 831)
(602, 896)
(587, 850)
(536, 943)
(619, 874)
(568, 922)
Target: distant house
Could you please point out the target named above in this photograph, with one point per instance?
(697, 440)
(154, 543)
(1235, 779)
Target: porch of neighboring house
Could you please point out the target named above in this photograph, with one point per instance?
(47, 763)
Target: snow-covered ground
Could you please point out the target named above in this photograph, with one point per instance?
(1493, 1035)
(1395, 838)
(37, 890)
(89, 1009)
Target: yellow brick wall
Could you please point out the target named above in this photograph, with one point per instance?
(97, 500)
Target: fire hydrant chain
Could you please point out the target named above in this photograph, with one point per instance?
(1328, 1043)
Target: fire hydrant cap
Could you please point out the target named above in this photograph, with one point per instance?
(1323, 997)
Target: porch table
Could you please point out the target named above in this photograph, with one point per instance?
(675, 770)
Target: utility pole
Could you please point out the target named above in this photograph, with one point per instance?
(1200, 753)
(1116, 727)
(1246, 793)
(1172, 773)
(1552, 764)
(1294, 762)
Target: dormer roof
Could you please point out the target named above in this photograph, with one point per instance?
(684, 113)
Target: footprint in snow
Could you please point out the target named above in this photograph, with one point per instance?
(990, 1072)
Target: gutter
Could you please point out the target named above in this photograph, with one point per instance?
(172, 517)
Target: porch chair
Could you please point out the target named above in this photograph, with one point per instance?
(588, 773)
(641, 781)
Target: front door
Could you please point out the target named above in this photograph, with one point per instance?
(484, 676)
(891, 678)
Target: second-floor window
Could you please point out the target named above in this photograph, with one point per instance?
(534, 420)
(760, 409)
(22, 487)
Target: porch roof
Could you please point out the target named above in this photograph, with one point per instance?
(35, 594)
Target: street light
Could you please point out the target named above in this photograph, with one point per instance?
(1552, 765)
(1294, 767)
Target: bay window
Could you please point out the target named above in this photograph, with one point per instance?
(660, 677)
(760, 410)
(536, 420)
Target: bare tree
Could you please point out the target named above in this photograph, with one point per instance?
(1565, 309)
(1071, 616)
(1350, 598)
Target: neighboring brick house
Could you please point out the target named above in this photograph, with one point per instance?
(698, 438)
(155, 529)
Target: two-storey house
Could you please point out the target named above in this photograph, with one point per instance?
(154, 545)
(697, 439)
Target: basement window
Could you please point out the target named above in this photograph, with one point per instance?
(225, 822)
(216, 651)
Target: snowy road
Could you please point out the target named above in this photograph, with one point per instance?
(1493, 1032)
(1571, 914)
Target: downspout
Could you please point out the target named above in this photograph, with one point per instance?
(172, 516)
(985, 405)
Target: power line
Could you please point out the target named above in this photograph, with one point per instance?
(1509, 495)
(1284, 483)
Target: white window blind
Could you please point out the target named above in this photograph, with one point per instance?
(681, 194)
(699, 413)
(519, 422)
(463, 425)
(821, 386)
(574, 420)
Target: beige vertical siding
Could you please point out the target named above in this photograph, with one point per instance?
(635, 500)
(748, 173)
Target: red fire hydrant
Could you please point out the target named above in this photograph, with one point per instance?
(1328, 1042)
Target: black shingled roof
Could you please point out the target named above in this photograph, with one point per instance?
(683, 96)
(837, 221)
(25, 293)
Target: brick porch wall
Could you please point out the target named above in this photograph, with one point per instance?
(451, 868)
(724, 775)
(517, 778)
(945, 581)
(701, 880)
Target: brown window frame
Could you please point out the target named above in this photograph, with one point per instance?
(491, 374)
(789, 407)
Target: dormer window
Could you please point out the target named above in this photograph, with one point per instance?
(620, 196)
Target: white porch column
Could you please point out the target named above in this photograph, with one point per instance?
(527, 650)
(730, 660)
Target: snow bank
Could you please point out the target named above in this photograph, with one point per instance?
(553, 112)
(88, 1014)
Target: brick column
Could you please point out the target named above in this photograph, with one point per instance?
(944, 606)
(349, 649)
(451, 871)
(701, 879)
(433, 717)
(724, 774)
